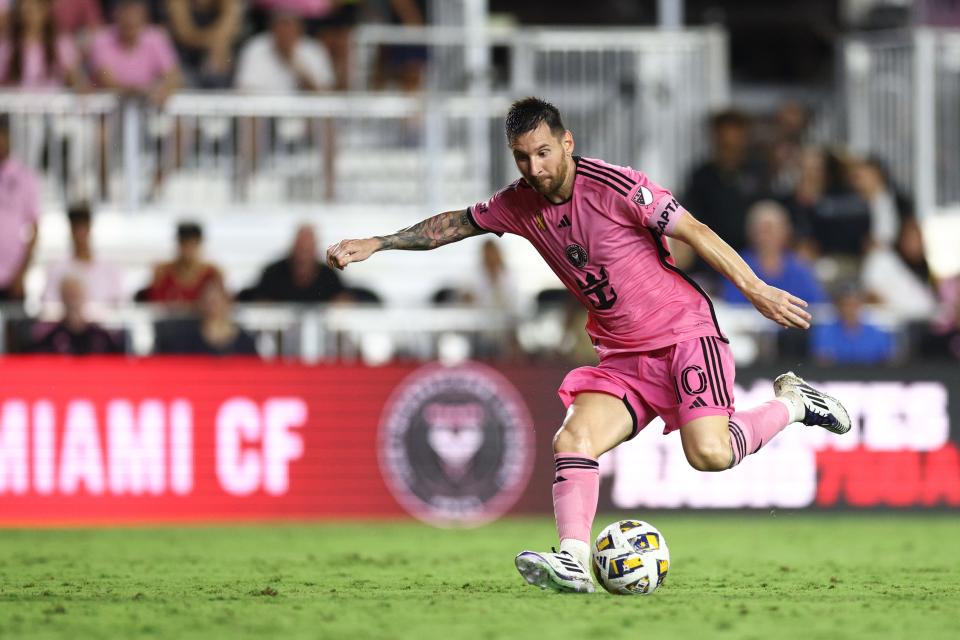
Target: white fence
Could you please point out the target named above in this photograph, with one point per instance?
(632, 96)
(903, 104)
(227, 149)
(635, 97)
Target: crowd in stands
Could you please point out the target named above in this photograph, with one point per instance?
(826, 225)
(151, 48)
(831, 227)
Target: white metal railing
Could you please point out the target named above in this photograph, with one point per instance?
(376, 334)
(225, 149)
(61, 134)
(307, 332)
(631, 96)
(902, 104)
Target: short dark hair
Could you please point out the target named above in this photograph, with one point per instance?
(527, 114)
(79, 213)
(189, 231)
(729, 117)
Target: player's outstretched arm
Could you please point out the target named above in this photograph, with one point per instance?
(780, 306)
(431, 233)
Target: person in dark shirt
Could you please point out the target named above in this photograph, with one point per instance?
(299, 277)
(213, 333)
(74, 335)
(722, 189)
(830, 216)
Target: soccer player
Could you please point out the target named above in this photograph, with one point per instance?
(600, 227)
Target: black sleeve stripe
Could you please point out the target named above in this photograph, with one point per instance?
(613, 174)
(662, 254)
(582, 171)
(474, 222)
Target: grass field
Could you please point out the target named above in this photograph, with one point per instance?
(732, 576)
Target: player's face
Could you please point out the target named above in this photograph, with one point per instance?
(543, 158)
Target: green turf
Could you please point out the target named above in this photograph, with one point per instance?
(732, 576)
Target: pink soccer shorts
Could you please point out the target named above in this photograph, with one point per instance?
(679, 383)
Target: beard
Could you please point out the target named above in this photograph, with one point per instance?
(555, 181)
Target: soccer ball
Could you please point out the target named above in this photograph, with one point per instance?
(630, 557)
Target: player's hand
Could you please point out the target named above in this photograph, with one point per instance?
(341, 254)
(783, 308)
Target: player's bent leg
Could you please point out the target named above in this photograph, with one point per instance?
(707, 443)
(716, 443)
(595, 423)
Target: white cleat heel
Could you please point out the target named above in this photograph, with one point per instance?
(820, 410)
(556, 571)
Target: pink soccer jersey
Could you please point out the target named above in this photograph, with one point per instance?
(605, 244)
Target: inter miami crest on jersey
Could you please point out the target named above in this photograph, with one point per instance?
(577, 256)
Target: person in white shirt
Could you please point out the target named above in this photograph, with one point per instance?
(282, 60)
(894, 271)
(101, 280)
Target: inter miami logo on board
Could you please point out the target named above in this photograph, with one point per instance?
(598, 290)
(456, 444)
(577, 256)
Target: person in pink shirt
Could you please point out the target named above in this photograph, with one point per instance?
(133, 57)
(601, 228)
(35, 56)
(19, 213)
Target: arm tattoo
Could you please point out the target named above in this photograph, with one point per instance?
(433, 232)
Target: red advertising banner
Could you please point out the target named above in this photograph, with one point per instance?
(106, 440)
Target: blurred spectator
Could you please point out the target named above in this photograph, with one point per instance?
(283, 60)
(19, 213)
(406, 64)
(850, 339)
(182, 280)
(4, 16)
(331, 21)
(769, 230)
(830, 216)
(77, 18)
(102, 280)
(790, 124)
(943, 339)
(894, 273)
(34, 56)
(887, 207)
(299, 277)
(721, 190)
(74, 334)
(213, 333)
(496, 287)
(205, 32)
(898, 279)
(133, 57)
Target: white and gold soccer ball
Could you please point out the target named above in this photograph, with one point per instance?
(630, 557)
